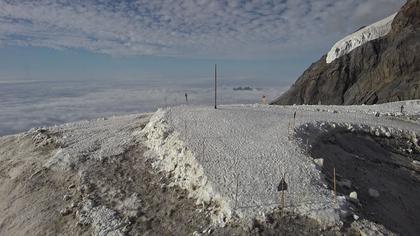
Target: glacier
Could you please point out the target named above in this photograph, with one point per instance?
(360, 37)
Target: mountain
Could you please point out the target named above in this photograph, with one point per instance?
(376, 64)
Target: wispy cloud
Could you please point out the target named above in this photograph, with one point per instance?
(191, 28)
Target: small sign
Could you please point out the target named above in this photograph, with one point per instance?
(282, 185)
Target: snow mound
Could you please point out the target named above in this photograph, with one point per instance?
(360, 37)
(172, 155)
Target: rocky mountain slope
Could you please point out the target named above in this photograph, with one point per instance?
(372, 65)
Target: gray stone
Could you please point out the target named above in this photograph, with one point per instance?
(353, 195)
(66, 197)
(65, 211)
(345, 183)
(319, 162)
(373, 192)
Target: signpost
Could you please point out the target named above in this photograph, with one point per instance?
(281, 188)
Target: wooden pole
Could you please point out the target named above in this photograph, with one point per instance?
(335, 186)
(236, 191)
(215, 86)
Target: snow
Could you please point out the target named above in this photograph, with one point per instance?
(360, 37)
(97, 139)
(237, 154)
(234, 156)
(172, 155)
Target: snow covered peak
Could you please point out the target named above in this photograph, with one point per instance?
(360, 37)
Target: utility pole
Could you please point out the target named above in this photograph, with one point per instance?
(215, 86)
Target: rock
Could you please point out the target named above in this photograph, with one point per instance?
(66, 197)
(345, 183)
(381, 70)
(353, 195)
(103, 220)
(65, 211)
(355, 217)
(319, 162)
(364, 227)
(71, 186)
(416, 165)
(131, 205)
(170, 212)
(373, 192)
(85, 188)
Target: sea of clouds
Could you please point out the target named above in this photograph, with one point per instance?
(29, 104)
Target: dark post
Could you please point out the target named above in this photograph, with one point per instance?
(215, 86)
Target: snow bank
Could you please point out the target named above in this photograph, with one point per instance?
(360, 37)
(391, 109)
(171, 155)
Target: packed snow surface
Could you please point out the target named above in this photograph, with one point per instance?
(239, 153)
(234, 156)
(360, 37)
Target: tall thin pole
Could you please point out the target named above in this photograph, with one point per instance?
(215, 86)
(335, 186)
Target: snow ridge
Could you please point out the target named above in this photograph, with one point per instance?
(360, 37)
(171, 155)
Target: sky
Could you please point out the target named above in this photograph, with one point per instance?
(175, 41)
(68, 60)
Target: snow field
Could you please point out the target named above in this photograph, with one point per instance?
(236, 155)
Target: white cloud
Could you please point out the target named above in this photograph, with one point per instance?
(46, 103)
(187, 28)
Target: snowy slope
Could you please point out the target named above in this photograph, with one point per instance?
(233, 156)
(238, 154)
(360, 37)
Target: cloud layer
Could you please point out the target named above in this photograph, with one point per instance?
(187, 28)
(34, 104)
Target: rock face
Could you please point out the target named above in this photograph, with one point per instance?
(382, 70)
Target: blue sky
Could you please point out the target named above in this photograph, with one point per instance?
(31, 63)
(270, 42)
